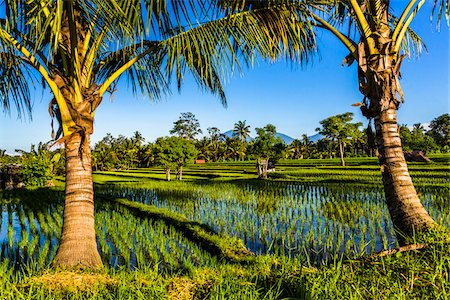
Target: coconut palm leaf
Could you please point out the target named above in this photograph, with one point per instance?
(14, 89)
(441, 8)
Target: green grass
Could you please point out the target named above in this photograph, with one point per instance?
(409, 275)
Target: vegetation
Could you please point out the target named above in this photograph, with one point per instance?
(221, 233)
(338, 128)
(187, 126)
(266, 147)
(173, 152)
(241, 130)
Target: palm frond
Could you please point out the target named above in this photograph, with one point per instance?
(412, 44)
(14, 88)
(441, 8)
(269, 32)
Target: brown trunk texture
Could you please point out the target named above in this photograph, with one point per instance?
(406, 210)
(167, 174)
(180, 173)
(341, 153)
(78, 246)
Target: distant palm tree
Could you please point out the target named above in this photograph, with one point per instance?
(204, 146)
(307, 146)
(241, 130)
(137, 139)
(295, 149)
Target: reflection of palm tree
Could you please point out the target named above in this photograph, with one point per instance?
(241, 130)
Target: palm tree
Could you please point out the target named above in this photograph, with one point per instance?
(241, 130)
(81, 49)
(137, 139)
(295, 149)
(307, 146)
(377, 41)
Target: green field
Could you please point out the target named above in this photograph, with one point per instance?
(308, 232)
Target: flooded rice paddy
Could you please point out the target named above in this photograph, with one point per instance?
(313, 222)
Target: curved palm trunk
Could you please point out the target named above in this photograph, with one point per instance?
(78, 247)
(406, 210)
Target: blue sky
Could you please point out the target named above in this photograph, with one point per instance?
(292, 98)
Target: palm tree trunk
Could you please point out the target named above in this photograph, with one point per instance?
(406, 210)
(78, 246)
(341, 153)
(167, 174)
(180, 172)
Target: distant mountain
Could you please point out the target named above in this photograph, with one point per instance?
(228, 133)
(316, 137)
(287, 139)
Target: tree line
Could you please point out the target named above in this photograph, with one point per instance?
(340, 138)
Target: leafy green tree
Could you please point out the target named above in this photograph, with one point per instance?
(137, 139)
(146, 156)
(214, 133)
(357, 140)
(267, 146)
(80, 50)
(340, 129)
(173, 152)
(440, 131)
(307, 146)
(417, 138)
(405, 136)
(39, 164)
(241, 130)
(370, 143)
(187, 126)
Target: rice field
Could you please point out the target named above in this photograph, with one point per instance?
(313, 215)
(285, 218)
(315, 221)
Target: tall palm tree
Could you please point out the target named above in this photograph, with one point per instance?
(307, 146)
(241, 130)
(81, 49)
(295, 149)
(377, 41)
